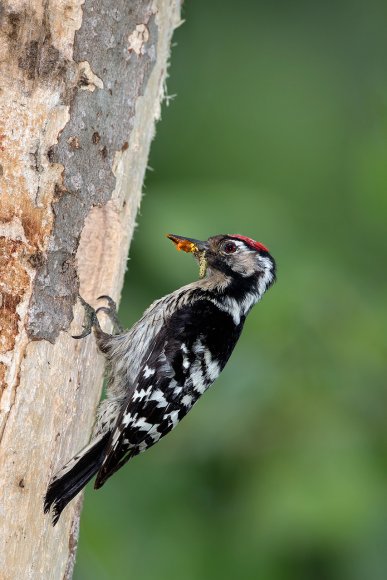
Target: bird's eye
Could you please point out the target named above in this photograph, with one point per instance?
(229, 247)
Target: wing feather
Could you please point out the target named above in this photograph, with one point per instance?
(177, 368)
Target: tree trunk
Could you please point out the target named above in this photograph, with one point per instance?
(81, 85)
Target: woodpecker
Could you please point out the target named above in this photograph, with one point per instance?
(168, 359)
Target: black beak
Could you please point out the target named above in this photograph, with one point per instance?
(188, 244)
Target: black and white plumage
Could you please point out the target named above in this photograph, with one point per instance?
(169, 358)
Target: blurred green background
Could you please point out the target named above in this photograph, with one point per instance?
(278, 132)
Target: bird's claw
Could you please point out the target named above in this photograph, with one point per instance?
(104, 309)
(83, 335)
(90, 319)
(112, 305)
(111, 311)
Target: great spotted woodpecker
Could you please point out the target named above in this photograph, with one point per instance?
(169, 358)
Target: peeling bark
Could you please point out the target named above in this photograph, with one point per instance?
(81, 86)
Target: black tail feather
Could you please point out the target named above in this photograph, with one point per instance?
(63, 489)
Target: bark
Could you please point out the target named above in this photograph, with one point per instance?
(81, 86)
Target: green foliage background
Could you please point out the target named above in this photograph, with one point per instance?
(279, 132)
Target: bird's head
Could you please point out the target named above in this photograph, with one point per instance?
(237, 258)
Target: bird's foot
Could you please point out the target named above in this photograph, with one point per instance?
(91, 319)
(111, 311)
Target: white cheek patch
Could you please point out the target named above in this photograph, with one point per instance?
(245, 262)
(265, 262)
(266, 277)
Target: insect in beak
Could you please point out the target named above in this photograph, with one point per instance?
(196, 247)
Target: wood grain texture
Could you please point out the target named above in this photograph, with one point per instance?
(81, 88)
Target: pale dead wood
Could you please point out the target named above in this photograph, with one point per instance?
(81, 86)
